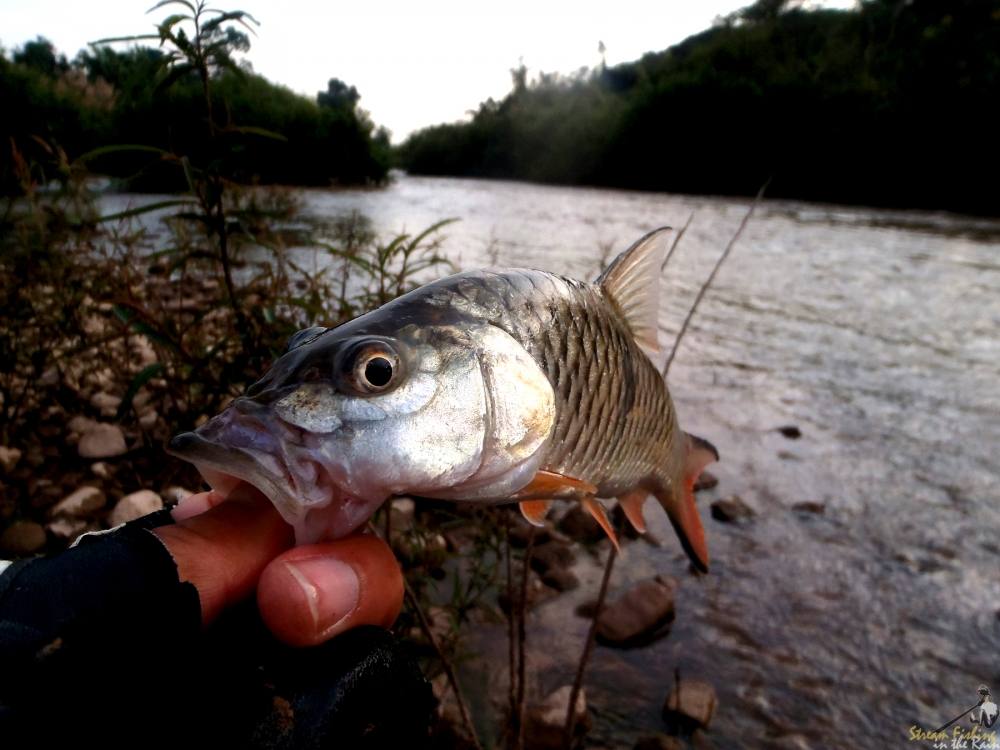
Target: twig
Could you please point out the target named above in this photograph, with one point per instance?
(445, 662)
(711, 276)
(522, 616)
(449, 671)
(581, 667)
(676, 242)
(511, 633)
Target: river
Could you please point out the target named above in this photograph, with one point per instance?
(874, 332)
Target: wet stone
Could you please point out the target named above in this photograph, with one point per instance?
(790, 431)
(706, 481)
(560, 579)
(810, 507)
(135, 505)
(690, 705)
(580, 526)
(731, 509)
(22, 538)
(546, 721)
(66, 529)
(552, 556)
(639, 614)
(80, 503)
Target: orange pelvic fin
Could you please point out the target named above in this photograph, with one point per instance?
(534, 511)
(632, 503)
(597, 511)
(547, 485)
(678, 501)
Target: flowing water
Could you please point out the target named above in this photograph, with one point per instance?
(877, 334)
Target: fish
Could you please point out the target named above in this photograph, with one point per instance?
(487, 386)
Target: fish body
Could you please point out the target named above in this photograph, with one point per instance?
(491, 386)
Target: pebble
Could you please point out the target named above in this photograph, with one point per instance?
(66, 529)
(135, 505)
(102, 441)
(81, 424)
(639, 613)
(552, 556)
(790, 431)
(706, 481)
(80, 503)
(690, 705)
(22, 538)
(148, 420)
(731, 509)
(545, 722)
(101, 470)
(9, 458)
(810, 506)
(105, 403)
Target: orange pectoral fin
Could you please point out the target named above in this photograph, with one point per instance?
(547, 485)
(632, 503)
(597, 511)
(534, 511)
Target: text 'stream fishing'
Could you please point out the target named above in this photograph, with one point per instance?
(490, 386)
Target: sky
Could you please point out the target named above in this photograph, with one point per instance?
(415, 62)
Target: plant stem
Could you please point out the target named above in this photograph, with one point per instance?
(522, 616)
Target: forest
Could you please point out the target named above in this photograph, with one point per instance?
(108, 96)
(892, 104)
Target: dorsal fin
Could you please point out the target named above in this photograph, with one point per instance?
(633, 282)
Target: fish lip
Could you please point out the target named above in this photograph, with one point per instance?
(245, 448)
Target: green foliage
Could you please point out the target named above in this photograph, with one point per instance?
(888, 104)
(166, 97)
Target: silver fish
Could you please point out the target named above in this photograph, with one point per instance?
(489, 386)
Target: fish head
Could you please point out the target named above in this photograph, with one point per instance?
(351, 416)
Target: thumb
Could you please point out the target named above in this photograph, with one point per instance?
(223, 550)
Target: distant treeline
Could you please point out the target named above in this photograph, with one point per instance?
(896, 103)
(106, 97)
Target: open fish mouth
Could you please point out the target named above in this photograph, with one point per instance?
(248, 443)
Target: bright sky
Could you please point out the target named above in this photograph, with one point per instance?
(414, 62)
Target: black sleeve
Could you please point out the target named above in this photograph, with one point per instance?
(103, 643)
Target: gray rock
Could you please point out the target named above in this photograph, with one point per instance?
(545, 722)
(135, 505)
(810, 506)
(790, 431)
(551, 555)
(560, 579)
(706, 481)
(66, 529)
(148, 420)
(639, 613)
(80, 503)
(9, 458)
(102, 441)
(690, 705)
(101, 469)
(658, 742)
(22, 538)
(80, 424)
(731, 509)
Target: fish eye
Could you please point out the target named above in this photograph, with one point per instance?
(372, 367)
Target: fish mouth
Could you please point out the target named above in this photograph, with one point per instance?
(248, 443)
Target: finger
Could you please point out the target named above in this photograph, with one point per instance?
(223, 550)
(196, 504)
(310, 594)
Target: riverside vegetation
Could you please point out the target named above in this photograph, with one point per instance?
(888, 104)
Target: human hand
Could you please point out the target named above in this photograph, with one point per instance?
(306, 595)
